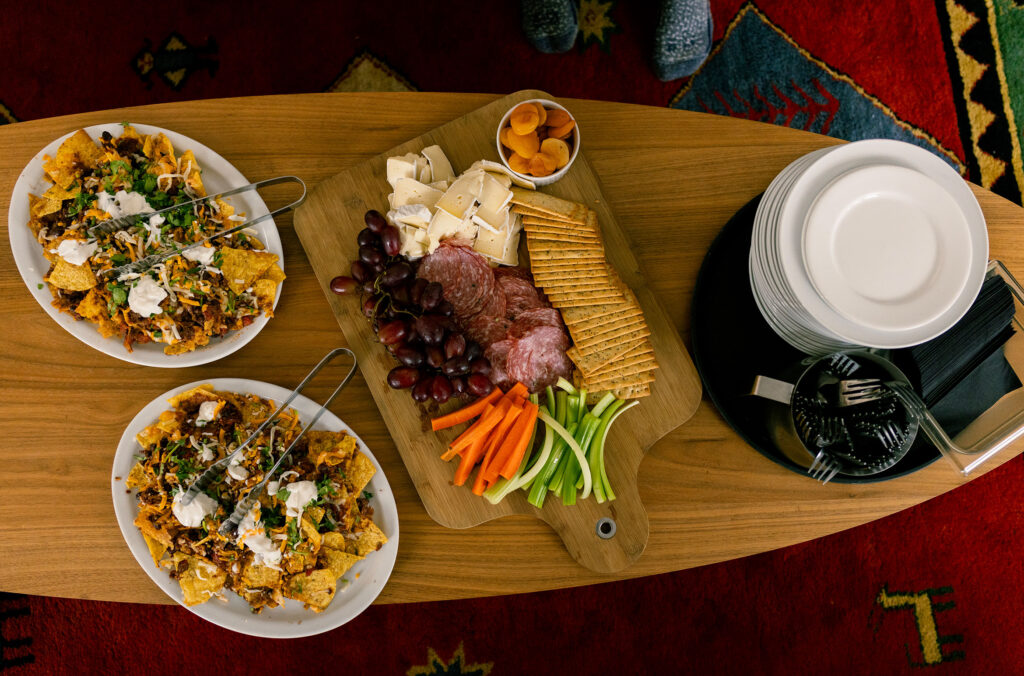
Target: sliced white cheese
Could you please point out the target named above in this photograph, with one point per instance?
(411, 191)
(487, 165)
(468, 229)
(442, 226)
(412, 247)
(494, 221)
(400, 167)
(462, 194)
(416, 215)
(490, 244)
(493, 195)
(440, 185)
(423, 173)
(502, 178)
(439, 164)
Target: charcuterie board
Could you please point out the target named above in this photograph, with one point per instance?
(327, 225)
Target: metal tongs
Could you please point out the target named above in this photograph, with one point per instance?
(213, 472)
(142, 264)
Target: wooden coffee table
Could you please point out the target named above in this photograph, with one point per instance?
(673, 178)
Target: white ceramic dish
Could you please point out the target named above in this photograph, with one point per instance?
(366, 579)
(834, 164)
(575, 136)
(887, 247)
(218, 175)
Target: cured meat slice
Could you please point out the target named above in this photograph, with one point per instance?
(530, 319)
(494, 306)
(468, 280)
(538, 359)
(497, 353)
(487, 330)
(520, 295)
(521, 273)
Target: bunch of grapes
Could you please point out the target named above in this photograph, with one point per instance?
(413, 320)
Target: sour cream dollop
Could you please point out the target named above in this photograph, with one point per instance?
(144, 298)
(192, 515)
(251, 532)
(207, 412)
(76, 252)
(300, 494)
(236, 471)
(200, 254)
(123, 203)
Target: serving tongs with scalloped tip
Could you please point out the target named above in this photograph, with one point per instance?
(143, 264)
(215, 471)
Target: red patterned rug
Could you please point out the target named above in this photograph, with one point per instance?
(936, 587)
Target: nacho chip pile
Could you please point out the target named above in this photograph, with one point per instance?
(314, 549)
(612, 350)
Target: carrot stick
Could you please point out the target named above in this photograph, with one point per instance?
(521, 434)
(489, 469)
(518, 390)
(491, 417)
(507, 445)
(465, 413)
(469, 459)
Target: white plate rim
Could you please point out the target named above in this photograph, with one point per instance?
(32, 265)
(235, 614)
(878, 151)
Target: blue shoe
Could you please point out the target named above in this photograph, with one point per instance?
(550, 25)
(683, 38)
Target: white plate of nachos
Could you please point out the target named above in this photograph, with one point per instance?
(331, 561)
(196, 314)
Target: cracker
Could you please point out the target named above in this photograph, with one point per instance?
(634, 392)
(606, 331)
(575, 294)
(564, 249)
(612, 341)
(524, 210)
(645, 362)
(550, 258)
(614, 382)
(576, 316)
(569, 285)
(549, 204)
(592, 362)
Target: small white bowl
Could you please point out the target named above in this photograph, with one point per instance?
(575, 136)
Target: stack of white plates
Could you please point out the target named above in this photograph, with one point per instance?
(869, 244)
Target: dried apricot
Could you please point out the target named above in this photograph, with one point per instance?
(557, 117)
(562, 131)
(542, 165)
(557, 149)
(519, 164)
(524, 120)
(526, 145)
(503, 136)
(543, 112)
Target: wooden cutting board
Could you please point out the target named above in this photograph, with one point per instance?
(327, 225)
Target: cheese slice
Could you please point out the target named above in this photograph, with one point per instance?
(401, 166)
(442, 226)
(440, 185)
(423, 173)
(411, 191)
(440, 166)
(462, 194)
(494, 221)
(493, 195)
(416, 215)
(412, 246)
(502, 178)
(468, 230)
(487, 165)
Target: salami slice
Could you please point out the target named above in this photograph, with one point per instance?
(487, 330)
(538, 359)
(468, 280)
(497, 353)
(520, 295)
(494, 306)
(521, 273)
(530, 319)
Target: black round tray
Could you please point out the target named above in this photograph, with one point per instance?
(732, 344)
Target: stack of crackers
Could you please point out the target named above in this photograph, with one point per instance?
(612, 349)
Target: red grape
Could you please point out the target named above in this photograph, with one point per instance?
(343, 286)
(430, 329)
(478, 385)
(361, 272)
(368, 238)
(402, 377)
(456, 366)
(392, 240)
(455, 345)
(445, 308)
(396, 274)
(435, 357)
(421, 390)
(370, 256)
(473, 350)
(409, 356)
(375, 221)
(441, 389)
(431, 296)
(481, 366)
(416, 290)
(370, 306)
(392, 332)
(459, 384)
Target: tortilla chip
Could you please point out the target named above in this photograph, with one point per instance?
(309, 532)
(370, 540)
(258, 575)
(316, 590)
(339, 562)
(158, 148)
(94, 307)
(137, 477)
(148, 528)
(299, 559)
(71, 277)
(201, 580)
(274, 273)
(194, 397)
(334, 540)
(76, 153)
(315, 513)
(359, 471)
(265, 290)
(189, 167)
(242, 267)
(156, 549)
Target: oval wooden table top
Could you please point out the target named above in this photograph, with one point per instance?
(673, 178)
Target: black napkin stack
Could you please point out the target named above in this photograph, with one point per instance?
(963, 372)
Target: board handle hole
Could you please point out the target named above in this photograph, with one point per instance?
(605, 528)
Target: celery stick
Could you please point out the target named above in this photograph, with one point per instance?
(577, 451)
(561, 407)
(565, 386)
(605, 402)
(573, 478)
(542, 458)
(608, 419)
(549, 395)
(539, 488)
